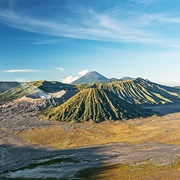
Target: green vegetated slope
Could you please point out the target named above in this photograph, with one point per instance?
(94, 104)
(4, 86)
(140, 91)
(40, 87)
(17, 92)
(52, 86)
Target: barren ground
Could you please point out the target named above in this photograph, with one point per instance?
(135, 149)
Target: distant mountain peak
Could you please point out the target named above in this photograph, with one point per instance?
(91, 72)
(94, 73)
(126, 78)
(90, 78)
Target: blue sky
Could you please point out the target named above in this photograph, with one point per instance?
(63, 39)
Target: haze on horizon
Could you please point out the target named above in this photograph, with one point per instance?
(63, 39)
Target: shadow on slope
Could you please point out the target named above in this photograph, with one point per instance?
(39, 163)
(164, 109)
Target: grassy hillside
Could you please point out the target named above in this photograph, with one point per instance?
(140, 91)
(17, 92)
(4, 86)
(137, 171)
(52, 86)
(94, 104)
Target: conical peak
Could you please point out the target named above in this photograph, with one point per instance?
(90, 78)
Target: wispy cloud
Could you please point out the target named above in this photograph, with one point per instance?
(146, 19)
(20, 70)
(170, 19)
(69, 79)
(144, 1)
(97, 27)
(21, 80)
(93, 25)
(59, 69)
(53, 41)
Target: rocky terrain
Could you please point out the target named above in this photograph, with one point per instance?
(34, 102)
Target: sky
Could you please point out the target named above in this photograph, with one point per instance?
(62, 40)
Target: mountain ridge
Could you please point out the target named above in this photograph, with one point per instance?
(135, 91)
(140, 91)
(6, 85)
(94, 104)
(93, 77)
(38, 89)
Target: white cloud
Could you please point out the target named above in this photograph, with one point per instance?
(20, 70)
(21, 80)
(83, 72)
(59, 69)
(69, 79)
